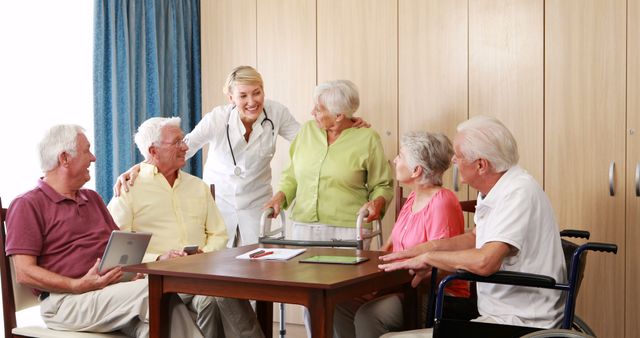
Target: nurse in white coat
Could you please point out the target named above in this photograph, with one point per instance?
(242, 140)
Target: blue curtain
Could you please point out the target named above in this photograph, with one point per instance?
(146, 64)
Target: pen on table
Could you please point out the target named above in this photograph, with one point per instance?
(260, 253)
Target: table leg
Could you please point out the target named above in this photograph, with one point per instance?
(321, 313)
(159, 320)
(264, 311)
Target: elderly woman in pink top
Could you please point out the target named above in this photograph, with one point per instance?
(430, 212)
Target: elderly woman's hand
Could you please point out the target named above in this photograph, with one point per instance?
(276, 203)
(375, 209)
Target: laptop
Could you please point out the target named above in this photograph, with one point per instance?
(124, 248)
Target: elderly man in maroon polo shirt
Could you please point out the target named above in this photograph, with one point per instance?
(56, 234)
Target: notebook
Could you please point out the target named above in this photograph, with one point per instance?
(124, 248)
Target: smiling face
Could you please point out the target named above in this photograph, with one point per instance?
(78, 166)
(249, 100)
(169, 155)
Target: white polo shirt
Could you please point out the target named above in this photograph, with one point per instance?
(517, 211)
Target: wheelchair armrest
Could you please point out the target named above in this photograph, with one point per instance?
(575, 233)
(508, 277)
(603, 247)
(500, 277)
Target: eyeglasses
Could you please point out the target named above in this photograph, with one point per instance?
(177, 143)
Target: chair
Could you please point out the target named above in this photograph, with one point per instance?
(16, 297)
(575, 262)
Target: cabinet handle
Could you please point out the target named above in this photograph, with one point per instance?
(456, 188)
(612, 166)
(638, 179)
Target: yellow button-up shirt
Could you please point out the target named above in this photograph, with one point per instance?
(177, 216)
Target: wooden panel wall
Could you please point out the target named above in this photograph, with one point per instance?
(506, 71)
(432, 69)
(287, 61)
(357, 40)
(228, 41)
(584, 132)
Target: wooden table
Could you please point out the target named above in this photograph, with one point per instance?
(319, 287)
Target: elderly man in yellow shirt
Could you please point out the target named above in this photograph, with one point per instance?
(179, 210)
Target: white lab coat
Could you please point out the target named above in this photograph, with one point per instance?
(241, 198)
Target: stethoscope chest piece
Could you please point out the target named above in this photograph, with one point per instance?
(237, 171)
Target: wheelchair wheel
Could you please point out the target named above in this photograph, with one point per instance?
(580, 326)
(556, 333)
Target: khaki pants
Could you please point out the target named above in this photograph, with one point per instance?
(223, 317)
(118, 307)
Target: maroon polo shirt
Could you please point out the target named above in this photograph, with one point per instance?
(66, 236)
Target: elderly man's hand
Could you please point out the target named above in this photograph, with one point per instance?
(172, 254)
(92, 280)
(126, 179)
(417, 266)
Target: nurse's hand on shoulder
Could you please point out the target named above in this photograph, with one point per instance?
(275, 203)
(358, 122)
(126, 179)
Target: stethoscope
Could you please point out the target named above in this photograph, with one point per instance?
(236, 170)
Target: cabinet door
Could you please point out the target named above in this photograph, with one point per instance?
(584, 133)
(358, 41)
(632, 296)
(506, 69)
(432, 66)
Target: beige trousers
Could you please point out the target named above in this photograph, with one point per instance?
(118, 307)
(223, 317)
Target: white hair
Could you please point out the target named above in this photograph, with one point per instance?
(431, 151)
(338, 97)
(150, 132)
(58, 139)
(486, 137)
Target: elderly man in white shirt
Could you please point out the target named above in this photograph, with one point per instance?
(515, 230)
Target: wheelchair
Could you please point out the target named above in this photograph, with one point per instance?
(575, 257)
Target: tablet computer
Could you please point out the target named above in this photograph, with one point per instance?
(124, 248)
(335, 259)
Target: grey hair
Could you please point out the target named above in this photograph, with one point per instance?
(61, 138)
(150, 132)
(486, 137)
(431, 151)
(339, 96)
